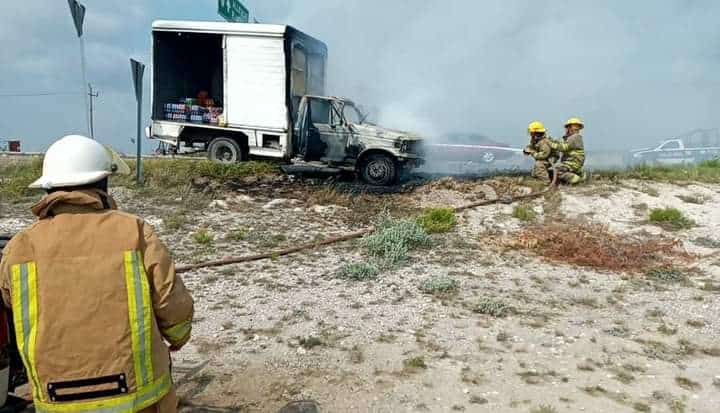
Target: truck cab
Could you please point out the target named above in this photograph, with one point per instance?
(332, 131)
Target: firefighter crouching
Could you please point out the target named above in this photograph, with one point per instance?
(93, 292)
(570, 170)
(541, 149)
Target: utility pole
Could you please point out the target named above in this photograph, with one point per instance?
(92, 114)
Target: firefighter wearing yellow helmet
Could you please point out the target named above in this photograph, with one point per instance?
(541, 148)
(571, 169)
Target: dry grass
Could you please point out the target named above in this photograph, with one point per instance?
(592, 245)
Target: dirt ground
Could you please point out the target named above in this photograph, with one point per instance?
(563, 339)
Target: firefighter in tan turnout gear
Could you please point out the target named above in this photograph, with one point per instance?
(96, 304)
(570, 170)
(541, 149)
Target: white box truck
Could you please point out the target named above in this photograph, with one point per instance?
(237, 90)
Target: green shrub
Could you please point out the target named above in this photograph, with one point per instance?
(670, 218)
(310, 342)
(415, 363)
(393, 239)
(177, 173)
(203, 237)
(492, 307)
(707, 171)
(359, 271)
(524, 212)
(175, 221)
(437, 220)
(238, 234)
(266, 239)
(707, 242)
(667, 274)
(698, 199)
(440, 285)
(16, 176)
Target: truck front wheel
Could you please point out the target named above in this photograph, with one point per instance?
(379, 169)
(225, 150)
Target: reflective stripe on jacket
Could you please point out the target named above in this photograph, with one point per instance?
(542, 149)
(94, 297)
(573, 150)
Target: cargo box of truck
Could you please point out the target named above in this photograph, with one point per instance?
(247, 78)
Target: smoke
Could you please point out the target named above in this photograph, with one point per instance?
(636, 74)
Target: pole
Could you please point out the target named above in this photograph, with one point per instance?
(138, 157)
(77, 11)
(85, 92)
(138, 69)
(92, 113)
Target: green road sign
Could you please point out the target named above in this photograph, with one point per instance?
(233, 11)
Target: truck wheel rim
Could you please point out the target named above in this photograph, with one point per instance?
(225, 154)
(488, 157)
(378, 170)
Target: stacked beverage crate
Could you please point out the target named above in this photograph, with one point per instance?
(194, 110)
(197, 113)
(176, 112)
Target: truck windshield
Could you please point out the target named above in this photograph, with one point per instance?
(351, 114)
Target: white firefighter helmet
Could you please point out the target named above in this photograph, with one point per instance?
(75, 160)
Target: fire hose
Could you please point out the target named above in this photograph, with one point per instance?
(360, 233)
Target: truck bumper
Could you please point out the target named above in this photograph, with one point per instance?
(167, 132)
(410, 163)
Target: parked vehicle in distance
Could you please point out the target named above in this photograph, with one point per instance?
(10, 146)
(696, 146)
(237, 90)
(470, 147)
(12, 371)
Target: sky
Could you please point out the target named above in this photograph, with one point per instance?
(636, 72)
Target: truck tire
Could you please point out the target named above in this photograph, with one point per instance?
(379, 169)
(225, 150)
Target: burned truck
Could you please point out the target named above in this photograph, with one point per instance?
(237, 90)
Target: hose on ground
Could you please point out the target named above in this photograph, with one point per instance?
(357, 234)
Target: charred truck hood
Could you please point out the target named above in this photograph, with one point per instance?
(404, 144)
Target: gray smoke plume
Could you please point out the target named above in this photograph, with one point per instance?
(636, 72)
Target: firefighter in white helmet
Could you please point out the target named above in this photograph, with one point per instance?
(96, 303)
